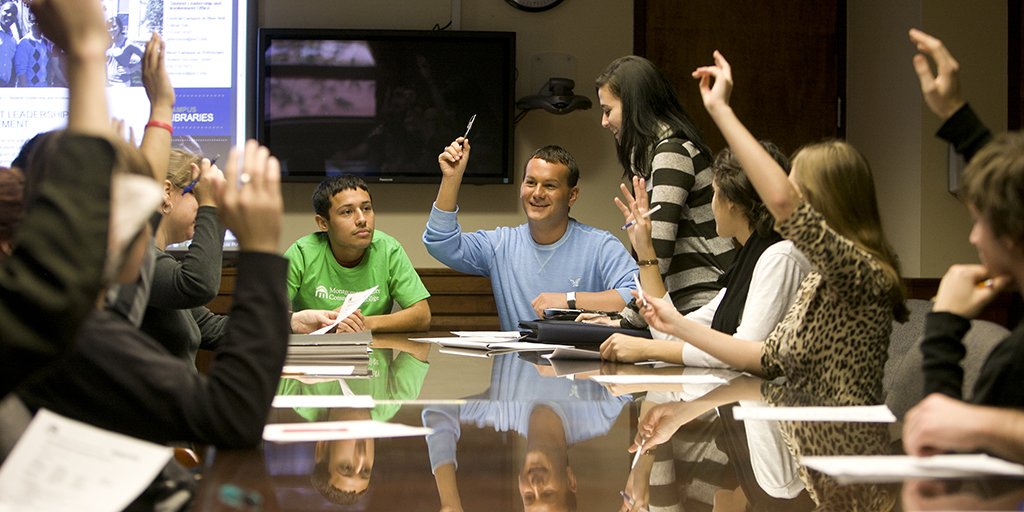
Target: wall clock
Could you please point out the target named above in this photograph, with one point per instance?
(533, 5)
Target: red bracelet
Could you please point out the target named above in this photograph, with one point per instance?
(160, 124)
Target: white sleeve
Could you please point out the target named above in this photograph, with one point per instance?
(773, 289)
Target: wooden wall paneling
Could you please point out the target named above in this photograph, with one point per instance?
(788, 58)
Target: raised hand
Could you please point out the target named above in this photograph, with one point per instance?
(715, 95)
(454, 158)
(942, 90)
(633, 210)
(252, 209)
(154, 75)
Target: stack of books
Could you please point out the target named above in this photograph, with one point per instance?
(344, 355)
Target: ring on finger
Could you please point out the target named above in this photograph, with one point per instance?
(244, 178)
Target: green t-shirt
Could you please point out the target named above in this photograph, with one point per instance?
(317, 281)
(398, 379)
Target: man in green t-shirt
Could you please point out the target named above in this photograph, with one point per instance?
(347, 256)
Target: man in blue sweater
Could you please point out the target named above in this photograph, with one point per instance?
(552, 261)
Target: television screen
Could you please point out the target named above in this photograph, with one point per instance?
(384, 104)
(206, 58)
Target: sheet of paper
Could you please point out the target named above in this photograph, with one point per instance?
(574, 353)
(857, 414)
(504, 335)
(324, 401)
(658, 379)
(352, 303)
(61, 464)
(318, 370)
(895, 468)
(338, 430)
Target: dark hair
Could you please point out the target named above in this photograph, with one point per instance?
(993, 184)
(330, 187)
(556, 155)
(648, 104)
(321, 480)
(734, 185)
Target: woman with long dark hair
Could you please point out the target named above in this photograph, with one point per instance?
(657, 141)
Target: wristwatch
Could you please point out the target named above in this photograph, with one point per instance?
(570, 299)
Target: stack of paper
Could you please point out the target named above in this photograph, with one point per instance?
(328, 355)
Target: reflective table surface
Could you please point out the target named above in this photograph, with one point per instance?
(508, 434)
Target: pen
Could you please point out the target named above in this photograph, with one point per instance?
(648, 214)
(630, 500)
(643, 441)
(988, 283)
(469, 126)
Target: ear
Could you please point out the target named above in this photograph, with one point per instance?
(322, 223)
(574, 194)
(570, 478)
(168, 187)
(319, 451)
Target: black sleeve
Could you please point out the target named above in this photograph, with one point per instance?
(122, 380)
(195, 281)
(966, 132)
(51, 280)
(942, 349)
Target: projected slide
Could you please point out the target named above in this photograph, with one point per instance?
(205, 60)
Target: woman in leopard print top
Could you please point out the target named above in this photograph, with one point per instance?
(834, 340)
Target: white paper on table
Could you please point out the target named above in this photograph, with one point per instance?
(485, 343)
(338, 430)
(324, 401)
(501, 335)
(318, 370)
(352, 303)
(895, 468)
(574, 353)
(61, 464)
(854, 414)
(658, 379)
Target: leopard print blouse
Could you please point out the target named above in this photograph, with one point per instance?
(833, 342)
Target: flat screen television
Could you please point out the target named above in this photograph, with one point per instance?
(383, 104)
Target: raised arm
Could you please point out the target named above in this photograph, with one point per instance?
(156, 139)
(778, 193)
(78, 27)
(453, 162)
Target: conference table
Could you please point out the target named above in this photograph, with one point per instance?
(514, 431)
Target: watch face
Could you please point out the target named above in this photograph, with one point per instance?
(533, 5)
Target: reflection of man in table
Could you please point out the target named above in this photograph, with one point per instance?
(8, 42)
(551, 413)
(343, 468)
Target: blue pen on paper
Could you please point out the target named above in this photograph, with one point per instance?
(648, 214)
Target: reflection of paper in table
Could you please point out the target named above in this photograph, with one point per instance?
(352, 303)
(318, 370)
(487, 343)
(658, 379)
(895, 468)
(856, 414)
(574, 353)
(338, 430)
(61, 464)
(324, 401)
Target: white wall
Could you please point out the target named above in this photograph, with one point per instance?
(594, 31)
(889, 122)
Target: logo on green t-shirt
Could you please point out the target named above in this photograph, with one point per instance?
(325, 293)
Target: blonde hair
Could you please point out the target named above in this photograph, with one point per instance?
(179, 167)
(836, 180)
